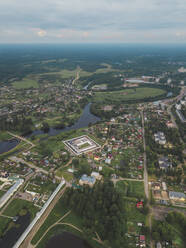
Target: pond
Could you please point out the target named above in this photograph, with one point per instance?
(8, 145)
(66, 240)
(13, 234)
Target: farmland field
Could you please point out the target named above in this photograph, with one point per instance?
(25, 84)
(128, 94)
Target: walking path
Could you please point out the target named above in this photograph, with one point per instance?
(23, 139)
(5, 216)
(57, 222)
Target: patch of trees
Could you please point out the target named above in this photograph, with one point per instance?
(17, 123)
(102, 211)
(162, 231)
(168, 229)
(178, 220)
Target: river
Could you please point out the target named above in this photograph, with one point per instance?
(85, 119)
(66, 240)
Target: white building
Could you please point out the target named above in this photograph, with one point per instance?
(96, 175)
(10, 192)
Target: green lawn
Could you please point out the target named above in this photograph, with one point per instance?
(3, 224)
(127, 94)
(67, 175)
(4, 136)
(70, 73)
(15, 207)
(25, 84)
(131, 188)
(57, 212)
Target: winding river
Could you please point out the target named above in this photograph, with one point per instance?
(85, 119)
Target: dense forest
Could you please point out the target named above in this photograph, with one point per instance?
(19, 61)
(102, 210)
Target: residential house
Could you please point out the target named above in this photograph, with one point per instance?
(177, 196)
(86, 180)
(164, 163)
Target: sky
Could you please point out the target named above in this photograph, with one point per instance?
(92, 21)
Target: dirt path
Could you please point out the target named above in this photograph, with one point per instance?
(57, 222)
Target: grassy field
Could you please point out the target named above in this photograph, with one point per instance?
(4, 136)
(127, 94)
(3, 223)
(108, 68)
(57, 212)
(62, 173)
(17, 205)
(131, 188)
(25, 84)
(72, 73)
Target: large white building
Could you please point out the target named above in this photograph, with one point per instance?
(10, 192)
(82, 144)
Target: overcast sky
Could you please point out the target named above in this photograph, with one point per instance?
(90, 21)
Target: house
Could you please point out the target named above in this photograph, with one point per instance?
(139, 204)
(108, 161)
(156, 186)
(160, 138)
(164, 163)
(142, 240)
(96, 158)
(87, 180)
(169, 124)
(158, 245)
(164, 186)
(96, 175)
(177, 196)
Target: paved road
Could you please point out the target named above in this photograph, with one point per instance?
(145, 175)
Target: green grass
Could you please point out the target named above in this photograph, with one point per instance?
(17, 205)
(108, 68)
(131, 188)
(133, 214)
(57, 212)
(128, 94)
(72, 73)
(25, 84)
(4, 136)
(3, 224)
(67, 176)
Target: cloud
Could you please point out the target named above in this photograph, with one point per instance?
(87, 20)
(41, 33)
